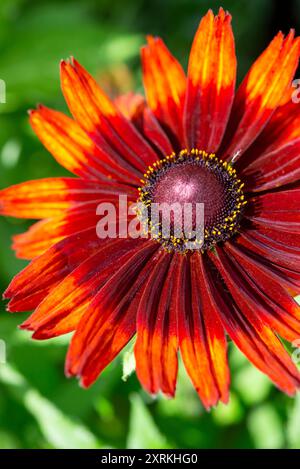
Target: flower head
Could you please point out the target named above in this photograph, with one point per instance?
(195, 140)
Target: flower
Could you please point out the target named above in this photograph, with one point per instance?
(195, 139)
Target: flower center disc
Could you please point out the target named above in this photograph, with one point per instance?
(190, 183)
(188, 180)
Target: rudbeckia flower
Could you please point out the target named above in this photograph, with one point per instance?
(196, 139)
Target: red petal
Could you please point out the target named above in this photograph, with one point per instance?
(261, 93)
(275, 252)
(279, 210)
(110, 321)
(71, 146)
(211, 82)
(61, 311)
(273, 304)
(156, 345)
(100, 117)
(217, 340)
(153, 131)
(276, 259)
(273, 159)
(255, 339)
(45, 233)
(288, 240)
(55, 264)
(131, 105)
(45, 198)
(281, 167)
(202, 339)
(165, 85)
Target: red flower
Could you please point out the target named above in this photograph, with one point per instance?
(243, 280)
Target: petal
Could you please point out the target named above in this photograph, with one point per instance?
(100, 118)
(155, 134)
(131, 105)
(250, 333)
(165, 85)
(289, 241)
(273, 304)
(217, 341)
(45, 198)
(274, 158)
(61, 311)
(45, 233)
(211, 82)
(261, 93)
(45, 271)
(202, 339)
(110, 321)
(281, 167)
(156, 345)
(280, 210)
(272, 250)
(71, 146)
(273, 256)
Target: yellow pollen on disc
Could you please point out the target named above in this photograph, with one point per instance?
(226, 225)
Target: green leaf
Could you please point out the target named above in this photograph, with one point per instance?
(266, 428)
(8, 441)
(128, 364)
(293, 427)
(230, 413)
(59, 430)
(252, 385)
(143, 432)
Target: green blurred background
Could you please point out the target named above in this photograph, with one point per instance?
(39, 407)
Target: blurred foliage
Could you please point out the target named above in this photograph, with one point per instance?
(39, 407)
